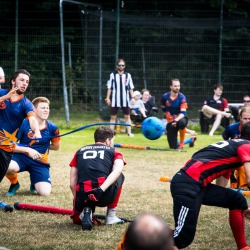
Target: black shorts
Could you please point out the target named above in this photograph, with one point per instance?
(5, 158)
(108, 197)
(114, 110)
(188, 196)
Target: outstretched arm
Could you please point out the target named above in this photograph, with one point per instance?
(34, 126)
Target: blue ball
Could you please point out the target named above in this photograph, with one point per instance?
(152, 128)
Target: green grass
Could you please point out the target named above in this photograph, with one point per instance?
(142, 192)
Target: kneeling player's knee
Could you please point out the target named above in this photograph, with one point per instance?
(43, 189)
(185, 237)
(238, 201)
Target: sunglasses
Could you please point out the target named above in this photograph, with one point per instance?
(246, 101)
(120, 65)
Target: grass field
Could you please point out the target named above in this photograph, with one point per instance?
(142, 192)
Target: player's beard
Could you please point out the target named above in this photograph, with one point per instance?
(19, 92)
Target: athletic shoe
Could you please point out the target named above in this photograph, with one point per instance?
(87, 219)
(32, 189)
(180, 147)
(13, 188)
(191, 144)
(131, 135)
(112, 220)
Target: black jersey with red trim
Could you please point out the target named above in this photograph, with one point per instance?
(94, 163)
(219, 104)
(218, 159)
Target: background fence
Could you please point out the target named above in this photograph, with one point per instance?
(199, 42)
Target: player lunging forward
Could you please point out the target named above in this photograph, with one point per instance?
(191, 187)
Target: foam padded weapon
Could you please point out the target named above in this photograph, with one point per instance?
(119, 145)
(41, 208)
(55, 210)
(6, 207)
(243, 192)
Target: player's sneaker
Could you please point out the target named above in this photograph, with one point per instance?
(180, 147)
(13, 188)
(111, 218)
(87, 219)
(191, 144)
(131, 135)
(33, 189)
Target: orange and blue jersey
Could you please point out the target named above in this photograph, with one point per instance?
(172, 107)
(232, 131)
(49, 134)
(12, 114)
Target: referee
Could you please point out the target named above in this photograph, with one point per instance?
(119, 86)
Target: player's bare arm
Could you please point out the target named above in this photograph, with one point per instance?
(73, 180)
(9, 94)
(222, 181)
(247, 170)
(117, 170)
(108, 97)
(32, 153)
(35, 126)
(55, 145)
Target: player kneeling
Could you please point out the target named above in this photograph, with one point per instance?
(96, 179)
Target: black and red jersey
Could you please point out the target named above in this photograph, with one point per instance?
(94, 163)
(219, 104)
(218, 159)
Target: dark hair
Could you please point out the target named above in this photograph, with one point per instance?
(103, 133)
(216, 86)
(145, 90)
(120, 59)
(16, 74)
(245, 131)
(138, 237)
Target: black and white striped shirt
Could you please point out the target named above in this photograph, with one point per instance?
(120, 86)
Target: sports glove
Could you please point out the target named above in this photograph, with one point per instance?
(95, 194)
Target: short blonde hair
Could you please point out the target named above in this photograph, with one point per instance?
(244, 109)
(40, 99)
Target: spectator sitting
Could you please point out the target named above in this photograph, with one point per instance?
(137, 105)
(236, 110)
(215, 109)
(149, 104)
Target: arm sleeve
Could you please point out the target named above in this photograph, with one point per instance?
(109, 82)
(224, 103)
(118, 155)
(73, 162)
(244, 152)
